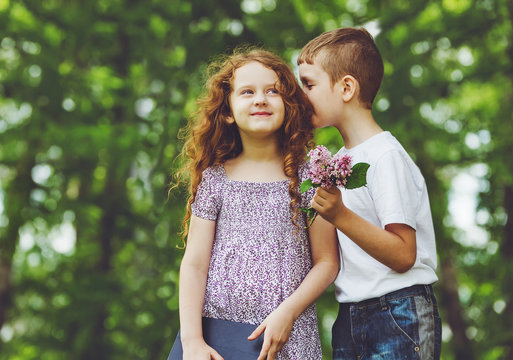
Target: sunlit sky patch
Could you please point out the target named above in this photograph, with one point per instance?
(463, 203)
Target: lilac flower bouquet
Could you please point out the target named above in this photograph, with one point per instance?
(327, 171)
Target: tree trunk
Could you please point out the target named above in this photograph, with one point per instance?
(507, 241)
(99, 348)
(507, 253)
(5, 288)
(454, 312)
(115, 203)
(16, 196)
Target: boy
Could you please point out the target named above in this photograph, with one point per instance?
(387, 307)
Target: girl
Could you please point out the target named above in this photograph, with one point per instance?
(249, 258)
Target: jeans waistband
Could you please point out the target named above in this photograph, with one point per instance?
(415, 290)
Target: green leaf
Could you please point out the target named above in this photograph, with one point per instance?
(358, 177)
(306, 185)
(311, 214)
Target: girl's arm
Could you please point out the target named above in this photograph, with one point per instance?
(193, 281)
(325, 256)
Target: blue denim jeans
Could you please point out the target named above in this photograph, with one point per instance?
(403, 324)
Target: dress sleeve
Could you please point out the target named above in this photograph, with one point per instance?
(206, 205)
(306, 197)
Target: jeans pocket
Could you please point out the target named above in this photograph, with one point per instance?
(404, 318)
(416, 318)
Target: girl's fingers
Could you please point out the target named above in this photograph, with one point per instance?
(215, 356)
(258, 331)
(264, 351)
(272, 353)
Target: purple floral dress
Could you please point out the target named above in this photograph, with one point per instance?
(259, 257)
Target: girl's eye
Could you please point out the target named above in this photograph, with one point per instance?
(273, 91)
(246, 92)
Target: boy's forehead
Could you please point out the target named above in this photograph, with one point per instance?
(310, 70)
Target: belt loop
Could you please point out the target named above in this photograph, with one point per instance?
(429, 292)
(383, 302)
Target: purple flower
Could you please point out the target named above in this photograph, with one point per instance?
(326, 170)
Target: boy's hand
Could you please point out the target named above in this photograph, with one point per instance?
(328, 203)
(277, 327)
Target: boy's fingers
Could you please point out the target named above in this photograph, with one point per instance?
(315, 204)
(320, 192)
(327, 192)
(324, 194)
(319, 197)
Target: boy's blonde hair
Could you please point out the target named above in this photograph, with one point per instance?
(347, 51)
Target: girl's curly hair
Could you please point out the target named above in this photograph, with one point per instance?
(211, 140)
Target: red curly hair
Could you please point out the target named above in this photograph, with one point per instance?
(211, 140)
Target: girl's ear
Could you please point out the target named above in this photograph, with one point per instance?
(230, 120)
(349, 87)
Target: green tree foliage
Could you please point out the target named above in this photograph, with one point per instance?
(92, 97)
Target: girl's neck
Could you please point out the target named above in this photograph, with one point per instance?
(259, 161)
(260, 150)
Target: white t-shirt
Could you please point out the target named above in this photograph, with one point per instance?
(395, 193)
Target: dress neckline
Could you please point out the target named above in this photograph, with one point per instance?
(225, 175)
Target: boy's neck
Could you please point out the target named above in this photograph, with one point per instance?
(358, 126)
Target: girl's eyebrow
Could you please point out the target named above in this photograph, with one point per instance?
(274, 84)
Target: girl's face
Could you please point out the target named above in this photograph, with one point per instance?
(256, 104)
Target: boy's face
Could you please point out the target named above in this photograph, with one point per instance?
(326, 99)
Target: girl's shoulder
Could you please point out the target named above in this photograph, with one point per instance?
(213, 173)
(214, 170)
(303, 170)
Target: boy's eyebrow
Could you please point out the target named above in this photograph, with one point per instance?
(304, 78)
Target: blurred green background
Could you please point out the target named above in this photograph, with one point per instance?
(93, 93)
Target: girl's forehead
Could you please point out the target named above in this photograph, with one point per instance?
(254, 73)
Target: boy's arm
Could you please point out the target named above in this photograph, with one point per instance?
(325, 256)
(193, 280)
(395, 246)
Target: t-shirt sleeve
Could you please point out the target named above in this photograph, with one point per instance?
(206, 205)
(395, 189)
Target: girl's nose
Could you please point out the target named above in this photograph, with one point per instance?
(260, 99)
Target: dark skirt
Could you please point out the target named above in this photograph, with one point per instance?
(228, 338)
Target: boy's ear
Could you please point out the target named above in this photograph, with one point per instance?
(349, 87)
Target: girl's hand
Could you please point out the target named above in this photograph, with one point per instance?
(328, 203)
(277, 327)
(199, 350)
